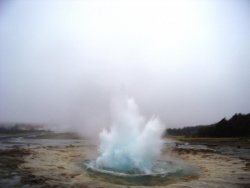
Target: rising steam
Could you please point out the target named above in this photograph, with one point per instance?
(131, 143)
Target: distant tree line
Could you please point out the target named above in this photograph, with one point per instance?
(19, 127)
(236, 126)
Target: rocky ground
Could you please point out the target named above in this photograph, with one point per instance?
(60, 166)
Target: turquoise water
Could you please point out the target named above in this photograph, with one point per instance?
(162, 173)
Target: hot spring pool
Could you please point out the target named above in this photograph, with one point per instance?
(162, 173)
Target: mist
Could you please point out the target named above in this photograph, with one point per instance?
(61, 62)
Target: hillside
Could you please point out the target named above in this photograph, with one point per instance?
(236, 126)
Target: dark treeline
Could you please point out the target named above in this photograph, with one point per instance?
(237, 126)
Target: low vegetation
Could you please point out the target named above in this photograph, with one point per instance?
(236, 126)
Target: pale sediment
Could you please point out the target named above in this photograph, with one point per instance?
(59, 167)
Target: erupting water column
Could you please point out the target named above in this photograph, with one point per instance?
(132, 144)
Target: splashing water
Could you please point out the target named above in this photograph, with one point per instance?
(132, 143)
(130, 149)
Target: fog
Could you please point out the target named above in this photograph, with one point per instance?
(61, 62)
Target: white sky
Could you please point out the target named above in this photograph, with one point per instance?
(62, 61)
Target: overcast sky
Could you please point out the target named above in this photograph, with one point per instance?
(61, 61)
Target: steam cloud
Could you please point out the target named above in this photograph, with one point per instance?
(61, 61)
(132, 143)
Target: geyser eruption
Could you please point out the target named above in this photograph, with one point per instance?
(132, 144)
(129, 150)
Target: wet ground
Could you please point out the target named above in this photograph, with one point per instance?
(45, 159)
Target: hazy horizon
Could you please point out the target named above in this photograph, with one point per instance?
(61, 62)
